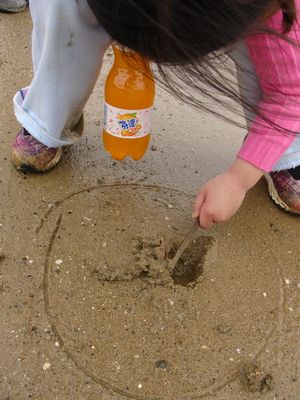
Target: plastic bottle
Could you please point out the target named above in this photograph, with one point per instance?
(129, 97)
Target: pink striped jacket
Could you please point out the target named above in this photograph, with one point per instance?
(277, 64)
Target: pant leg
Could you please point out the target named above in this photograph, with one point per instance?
(68, 46)
(250, 89)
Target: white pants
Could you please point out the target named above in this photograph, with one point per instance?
(68, 46)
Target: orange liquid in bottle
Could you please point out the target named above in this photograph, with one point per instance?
(129, 97)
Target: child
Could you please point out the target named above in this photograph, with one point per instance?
(12, 5)
(69, 41)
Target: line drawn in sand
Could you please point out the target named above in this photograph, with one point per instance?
(208, 391)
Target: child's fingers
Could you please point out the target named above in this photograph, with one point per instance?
(198, 204)
(206, 219)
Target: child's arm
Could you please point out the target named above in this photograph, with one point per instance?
(220, 198)
(277, 65)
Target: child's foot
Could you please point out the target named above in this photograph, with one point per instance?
(12, 6)
(29, 155)
(284, 189)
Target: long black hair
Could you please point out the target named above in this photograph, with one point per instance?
(185, 38)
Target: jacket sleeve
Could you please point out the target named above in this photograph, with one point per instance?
(277, 65)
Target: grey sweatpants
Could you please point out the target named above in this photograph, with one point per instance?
(68, 46)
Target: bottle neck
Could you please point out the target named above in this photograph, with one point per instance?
(128, 58)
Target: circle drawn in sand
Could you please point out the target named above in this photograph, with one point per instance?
(128, 322)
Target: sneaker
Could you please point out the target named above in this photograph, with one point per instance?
(284, 190)
(29, 155)
(12, 6)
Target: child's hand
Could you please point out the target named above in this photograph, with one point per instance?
(219, 199)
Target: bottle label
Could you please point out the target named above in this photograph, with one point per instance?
(128, 124)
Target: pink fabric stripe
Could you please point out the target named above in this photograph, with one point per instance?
(277, 64)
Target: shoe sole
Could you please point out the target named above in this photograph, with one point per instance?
(27, 168)
(276, 198)
(13, 10)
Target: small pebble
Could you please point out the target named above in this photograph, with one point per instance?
(265, 294)
(180, 316)
(46, 366)
(287, 281)
(224, 329)
(161, 364)
(56, 344)
(153, 148)
(140, 386)
(58, 262)
(170, 206)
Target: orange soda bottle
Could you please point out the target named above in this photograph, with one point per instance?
(129, 98)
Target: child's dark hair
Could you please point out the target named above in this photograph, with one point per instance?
(184, 38)
(289, 14)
